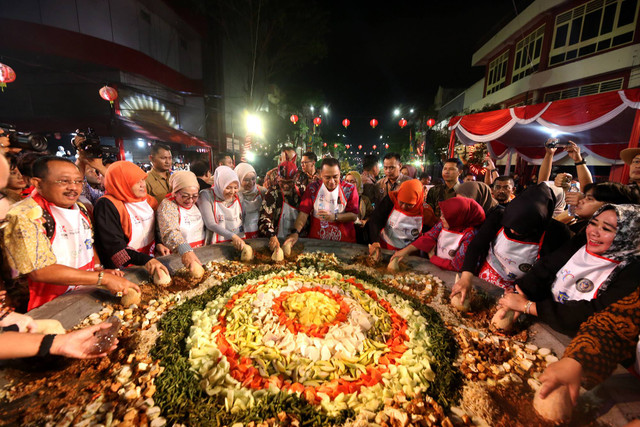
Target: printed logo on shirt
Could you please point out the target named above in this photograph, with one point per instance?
(452, 252)
(88, 243)
(562, 297)
(584, 285)
(415, 232)
(524, 267)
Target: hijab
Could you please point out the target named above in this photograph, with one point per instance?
(480, 192)
(625, 247)
(462, 213)
(118, 180)
(242, 170)
(410, 192)
(411, 171)
(183, 179)
(222, 177)
(358, 178)
(529, 213)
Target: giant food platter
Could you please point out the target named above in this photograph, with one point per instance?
(325, 337)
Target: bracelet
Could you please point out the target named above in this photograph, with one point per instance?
(581, 162)
(527, 306)
(100, 276)
(45, 345)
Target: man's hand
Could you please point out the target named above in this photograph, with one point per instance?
(550, 150)
(573, 151)
(80, 344)
(325, 215)
(153, 264)
(566, 371)
(237, 242)
(117, 284)
(274, 243)
(462, 286)
(25, 323)
(291, 239)
(190, 258)
(572, 198)
(489, 160)
(162, 250)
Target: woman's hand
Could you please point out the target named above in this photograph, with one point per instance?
(566, 371)
(190, 258)
(237, 242)
(162, 250)
(462, 286)
(116, 272)
(515, 301)
(291, 239)
(117, 284)
(375, 251)
(153, 265)
(80, 344)
(25, 323)
(274, 243)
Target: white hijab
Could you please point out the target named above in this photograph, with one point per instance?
(222, 177)
(242, 170)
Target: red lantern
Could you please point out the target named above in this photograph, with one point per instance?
(373, 123)
(386, 145)
(335, 145)
(402, 123)
(346, 123)
(7, 75)
(375, 146)
(294, 119)
(108, 94)
(347, 146)
(324, 145)
(431, 122)
(359, 147)
(317, 121)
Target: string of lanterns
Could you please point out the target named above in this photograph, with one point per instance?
(317, 121)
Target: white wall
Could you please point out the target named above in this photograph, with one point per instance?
(166, 38)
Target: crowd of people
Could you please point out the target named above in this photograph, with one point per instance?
(569, 258)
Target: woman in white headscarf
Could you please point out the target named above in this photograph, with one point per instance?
(179, 220)
(251, 197)
(221, 209)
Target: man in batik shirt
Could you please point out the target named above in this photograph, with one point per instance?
(280, 206)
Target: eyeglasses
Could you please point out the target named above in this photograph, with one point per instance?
(189, 196)
(68, 182)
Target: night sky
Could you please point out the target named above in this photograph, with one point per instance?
(397, 54)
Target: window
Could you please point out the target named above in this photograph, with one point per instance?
(592, 27)
(527, 56)
(497, 73)
(590, 89)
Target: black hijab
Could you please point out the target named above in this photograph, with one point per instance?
(529, 213)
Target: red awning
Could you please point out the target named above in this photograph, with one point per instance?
(601, 124)
(159, 132)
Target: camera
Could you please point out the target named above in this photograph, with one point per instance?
(554, 143)
(91, 145)
(24, 140)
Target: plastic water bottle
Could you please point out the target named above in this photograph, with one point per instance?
(573, 189)
(321, 206)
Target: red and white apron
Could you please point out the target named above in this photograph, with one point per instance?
(581, 277)
(143, 222)
(448, 244)
(508, 260)
(287, 219)
(334, 202)
(192, 226)
(400, 230)
(229, 217)
(251, 215)
(72, 244)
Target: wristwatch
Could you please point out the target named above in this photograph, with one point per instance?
(294, 230)
(336, 218)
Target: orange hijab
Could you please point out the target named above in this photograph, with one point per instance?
(118, 181)
(410, 192)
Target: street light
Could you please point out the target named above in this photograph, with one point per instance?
(325, 110)
(396, 112)
(254, 125)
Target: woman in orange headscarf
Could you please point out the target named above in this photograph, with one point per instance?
(398, 219)
(125, 220)
(450, 237)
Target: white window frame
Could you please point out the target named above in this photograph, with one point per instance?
(527, 67)
(497, 73)
(584, 90)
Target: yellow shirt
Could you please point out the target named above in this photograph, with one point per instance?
(157, 185)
